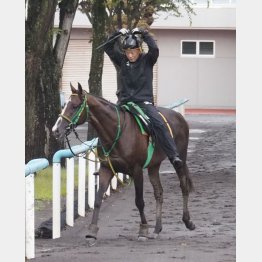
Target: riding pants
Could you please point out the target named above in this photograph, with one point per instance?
(161, 132)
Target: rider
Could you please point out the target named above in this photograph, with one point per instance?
(135, 79)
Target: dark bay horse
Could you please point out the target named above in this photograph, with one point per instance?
(126, 147)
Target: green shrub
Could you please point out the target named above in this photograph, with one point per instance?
(44, 183)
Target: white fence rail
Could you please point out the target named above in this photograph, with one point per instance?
(93, 183)
(178, 106)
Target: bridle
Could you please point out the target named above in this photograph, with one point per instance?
(73, 121)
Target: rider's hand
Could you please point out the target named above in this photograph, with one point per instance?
(123, 31)
(139, 31)
(136, 31)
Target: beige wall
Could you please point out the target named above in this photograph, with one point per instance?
(207, 82)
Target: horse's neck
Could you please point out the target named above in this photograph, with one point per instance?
(103, 117)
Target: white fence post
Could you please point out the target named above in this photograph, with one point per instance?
(70, 191)
(56, 200)
(108, 190)
(81, 186)
(91, 180)
(114, 183)
(121, 176)
(31, 167)
(30, 216)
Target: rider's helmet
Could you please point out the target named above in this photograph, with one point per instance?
(131, 42)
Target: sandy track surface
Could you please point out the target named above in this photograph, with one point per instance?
(211, 161)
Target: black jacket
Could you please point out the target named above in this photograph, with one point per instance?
(135, 79)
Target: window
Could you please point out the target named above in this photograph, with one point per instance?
(206, 48)
(189, 48)
(198, 48)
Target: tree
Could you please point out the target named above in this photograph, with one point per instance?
(97, 60)
(43, 70)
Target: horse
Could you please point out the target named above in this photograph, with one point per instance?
(124, 149)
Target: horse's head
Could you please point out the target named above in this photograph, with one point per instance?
(74, 113)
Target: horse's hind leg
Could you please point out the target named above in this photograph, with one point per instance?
(186, 185)
(105, 176)
(139, 200)
(153, 173)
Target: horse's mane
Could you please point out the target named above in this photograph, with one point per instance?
(100, 98)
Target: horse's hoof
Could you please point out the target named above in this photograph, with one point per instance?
(91, 241)
(153, 236)
(142, 238)
(143, 230)
(190, 225)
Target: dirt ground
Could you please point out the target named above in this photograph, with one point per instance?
(212, 206)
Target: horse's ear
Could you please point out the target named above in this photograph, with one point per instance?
(80, 89)
(74, 91)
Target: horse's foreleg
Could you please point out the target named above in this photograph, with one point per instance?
(153, 173)
(186, 186)
(105, 176)
(138, 182)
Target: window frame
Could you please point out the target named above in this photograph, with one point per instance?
(197, 55)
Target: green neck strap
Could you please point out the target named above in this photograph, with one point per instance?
(106, 153)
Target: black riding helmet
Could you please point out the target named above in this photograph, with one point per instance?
(131, 42)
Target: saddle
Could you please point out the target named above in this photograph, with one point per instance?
(143, 122)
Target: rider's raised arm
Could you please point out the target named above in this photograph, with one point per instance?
(153, 51)
(112, 50)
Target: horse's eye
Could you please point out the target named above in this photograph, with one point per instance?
(76, 106)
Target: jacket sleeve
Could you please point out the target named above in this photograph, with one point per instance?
(112, 51)
(153, 51)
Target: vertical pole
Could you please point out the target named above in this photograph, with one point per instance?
(30, 217)
(121, 176)
(70, 191)
(108, 190)
(56, 200)
(91, 180)
(97, 168)
(81, 186)
(114, 183)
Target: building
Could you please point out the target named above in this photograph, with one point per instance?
(197, 61)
